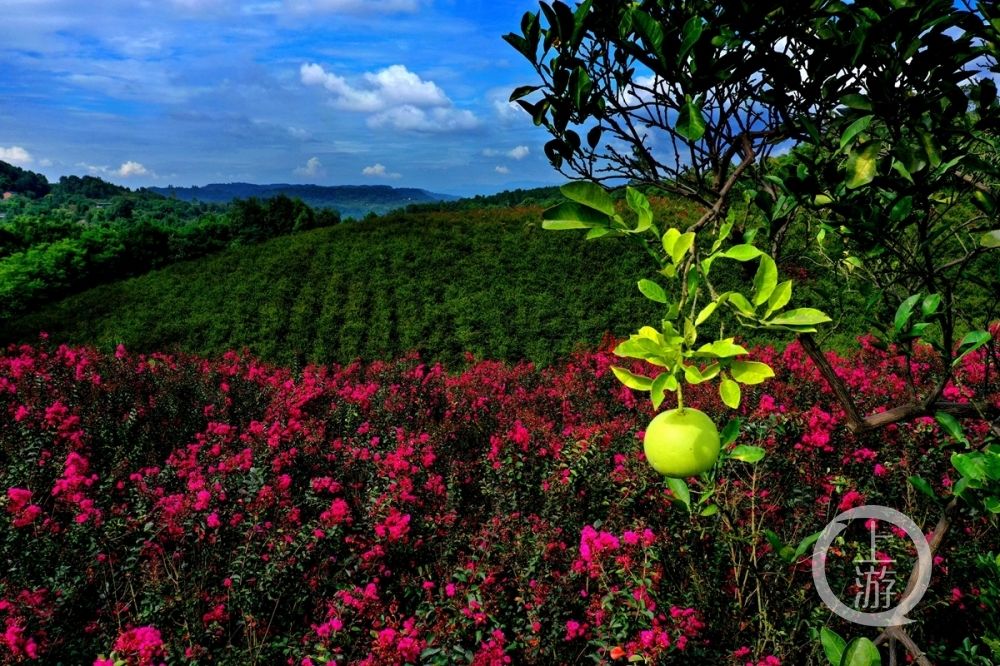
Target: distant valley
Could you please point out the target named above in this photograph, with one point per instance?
(349, 200)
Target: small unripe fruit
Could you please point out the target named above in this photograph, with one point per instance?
(681, 443)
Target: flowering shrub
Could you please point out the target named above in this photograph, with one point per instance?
(166, 509)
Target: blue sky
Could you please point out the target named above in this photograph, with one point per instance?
(187, 92)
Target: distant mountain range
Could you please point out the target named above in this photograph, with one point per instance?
(349, 200)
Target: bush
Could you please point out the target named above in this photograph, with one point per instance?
(231, 512)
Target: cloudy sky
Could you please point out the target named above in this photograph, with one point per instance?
(188, 92)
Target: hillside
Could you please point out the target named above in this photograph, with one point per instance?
(349, 200)
(489, 282)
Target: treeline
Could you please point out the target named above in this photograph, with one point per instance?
(539, 196)
(86, 232)
(20, 181)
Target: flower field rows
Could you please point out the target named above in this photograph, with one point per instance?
(168, 509)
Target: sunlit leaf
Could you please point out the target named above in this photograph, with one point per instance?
(730, 392)
(590, 195)
(750, 372)
(652, 291)
(633, 381)
(861, 165)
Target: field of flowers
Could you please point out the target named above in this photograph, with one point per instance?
(169, 509)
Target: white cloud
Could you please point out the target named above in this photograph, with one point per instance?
(506, 111)
(502, 169)
(378, 170)
(130, 168)
(518, 153)
(126, 170)
(352, 6)
(387, 88)
(411, 118)
(15, 155)
(312, 168)
(393, 97)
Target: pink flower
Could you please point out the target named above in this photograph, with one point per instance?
(143, 643)
(851, 499)
(395, 527)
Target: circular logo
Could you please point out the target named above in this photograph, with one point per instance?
(872, 581)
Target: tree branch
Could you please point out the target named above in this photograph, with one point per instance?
(905, 412)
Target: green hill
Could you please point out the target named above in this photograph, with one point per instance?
(440, 283)
(486, 281)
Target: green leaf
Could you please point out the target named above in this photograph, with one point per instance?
(930, 305)
(684, 243)
(972, 341)
(992, 503)
(751, 372)
(920, 483)
(990, 239)
(861, 652)
(709, 510)
(951, 426)
(765, 279)
(638, 347)
(590, 195)
(633, 381)
(581, 88)
(730, 392)
(572, 215)
(858, 102)
(721, 349)
(861, 165)
(669, 239)
(970, 465)
(833, 645)
(747, 454)
(740, 302)
(745, 252)
(705, 313)
(692, 375)
(679, 489)
(730, 432)
(855, 128)
(638, 202)
(692, 31)
(903, 313)
(930, 148)
(901, 209)
(779, 298)
(803, 546)
(659, 388)
(652, 291)
(774, 540)
(799, 317)
(690, 123)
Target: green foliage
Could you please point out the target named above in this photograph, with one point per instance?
(20, 181)
(68, 240)
(687, 267)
